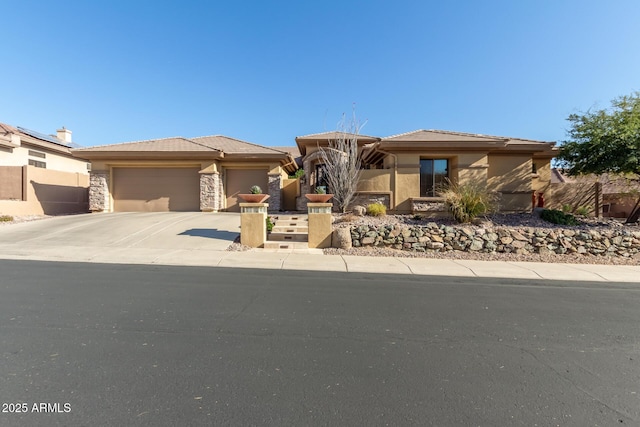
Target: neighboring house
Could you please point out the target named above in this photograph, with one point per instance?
(405, 171)
(39, 174)
(613, 196)
(183, 174)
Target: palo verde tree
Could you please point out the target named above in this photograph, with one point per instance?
(605, 141)
(342, 161)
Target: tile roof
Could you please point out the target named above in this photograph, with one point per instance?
(176, 143)
(294, 151)
(5, 128)
(450, 136)
(234, 146)
(333, 135)
(558, 176)
(441, 135)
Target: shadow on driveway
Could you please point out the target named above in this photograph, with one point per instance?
(211, 233)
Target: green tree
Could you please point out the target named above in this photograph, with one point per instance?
(605, 141)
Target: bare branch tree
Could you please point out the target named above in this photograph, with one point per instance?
(342, 161)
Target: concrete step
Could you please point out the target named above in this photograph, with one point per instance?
(291, 225)
(292, 237)
(287, 220)
(290, 229)
(291, 217)
(286, 245)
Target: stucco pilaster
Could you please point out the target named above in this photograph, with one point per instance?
(99, 191)
(222, 198)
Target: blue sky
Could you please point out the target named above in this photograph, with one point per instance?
(267, 71)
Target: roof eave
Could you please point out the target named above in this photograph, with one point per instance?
(256, 156)
(430, 146)
(45, 144)
(304, 142)
(7, 144)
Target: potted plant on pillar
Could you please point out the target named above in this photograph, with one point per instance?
(320, 196)
(255, 195)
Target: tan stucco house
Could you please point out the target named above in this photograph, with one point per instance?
(183, 174)
(400, 171)
(39, 174)
(404, 171)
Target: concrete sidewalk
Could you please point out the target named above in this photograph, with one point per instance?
(338, 263)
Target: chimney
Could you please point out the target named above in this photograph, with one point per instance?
(64, 134)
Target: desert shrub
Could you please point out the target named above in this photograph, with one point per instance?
(466, 201)
(256, 189)
(582, 210)
(270, 224)
(566, 208)
(376, 209)
(6, 218)
(558, 217)
(298, 173)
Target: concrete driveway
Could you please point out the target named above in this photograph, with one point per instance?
(121, 235)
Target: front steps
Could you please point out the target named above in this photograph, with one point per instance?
(289, 232)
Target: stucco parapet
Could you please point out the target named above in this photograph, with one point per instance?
(364, 198)
(427, 204)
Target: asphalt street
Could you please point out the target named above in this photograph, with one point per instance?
(114, 345)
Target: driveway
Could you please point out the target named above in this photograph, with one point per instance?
(121, 234)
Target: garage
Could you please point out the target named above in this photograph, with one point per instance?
(240, 181)
(156, 189)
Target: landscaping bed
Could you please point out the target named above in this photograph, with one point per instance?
(15, 219)
(506, 237)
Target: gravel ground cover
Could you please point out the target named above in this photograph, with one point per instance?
(23, 218)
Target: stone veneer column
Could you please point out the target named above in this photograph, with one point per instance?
(209, 187)
(275, 191)
(305, 183)
(99, 191)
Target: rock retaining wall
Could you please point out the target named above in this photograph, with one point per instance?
(441, 238)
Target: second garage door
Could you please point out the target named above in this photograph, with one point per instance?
(156, 189)
(240, 181)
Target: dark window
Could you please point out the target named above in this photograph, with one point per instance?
(37, 154)
(37, 164)
(534, 168)
(321, 177)
(433, 174)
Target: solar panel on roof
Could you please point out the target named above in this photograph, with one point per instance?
(42, 136)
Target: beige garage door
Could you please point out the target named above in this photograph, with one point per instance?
(156, 189)
(240, 181)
